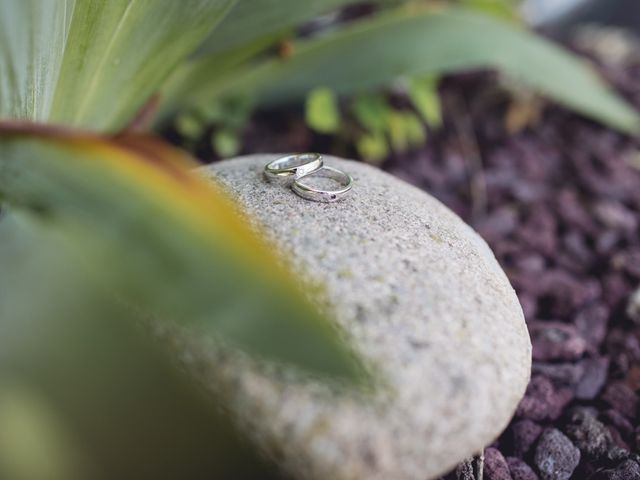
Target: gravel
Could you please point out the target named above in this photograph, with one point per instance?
(495, 465)
(556, 457)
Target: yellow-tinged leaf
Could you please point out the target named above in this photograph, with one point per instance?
(168, 239)
(84, 394)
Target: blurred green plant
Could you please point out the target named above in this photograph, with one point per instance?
(102, 228)
(411, 41)
(84, 395)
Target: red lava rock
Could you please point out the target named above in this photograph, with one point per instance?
(561, 374)
(555, 457)
(622, 398)
(542, 400)
(590, 435)
(627, 470)
(607, 241)
(524, 435)
(629, 261)
(529, 305)
(617, 455)
(615, 289)
(465, 471)
(616, 216)
(498, 223)
(619, 421)
(633, 307)
(520, 470)
(591, 323)
(556, 341)
(573, 212)
(562, 292)
(495, 465)
(632, 379)
(539, 231)
(595, 371)
(618, 439)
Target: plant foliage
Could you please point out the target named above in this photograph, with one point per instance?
(102, 226)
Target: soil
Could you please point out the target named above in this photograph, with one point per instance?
(557, 197)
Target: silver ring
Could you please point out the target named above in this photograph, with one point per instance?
(318, 195)
(291, 167)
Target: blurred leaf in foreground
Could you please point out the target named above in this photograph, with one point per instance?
(168, 241)
(83, 394)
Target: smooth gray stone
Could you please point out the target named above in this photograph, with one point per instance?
(423, 300)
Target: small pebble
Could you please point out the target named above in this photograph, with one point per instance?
(525, 433)
(591, 323)
(556, 341)
(562, 374)
(542, 400)
(520, 470)
(495, 465)
(464, 471)
(618, 420)
(622, 398)
(555, 457)
(590, 435)
(595, 371)
(633, 307)
(627, 470)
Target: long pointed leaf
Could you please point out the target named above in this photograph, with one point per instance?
(94, 63)
(83, 393)
(250, 20)
(120, 51)
(32, 41)
(409, 42)
(171, 242)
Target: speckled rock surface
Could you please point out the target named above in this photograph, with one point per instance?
(423, 300)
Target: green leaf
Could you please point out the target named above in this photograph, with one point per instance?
(372, 112)
(226, 143)
(250, 20)
(409, 43)
(32, 41)
(94, 63)
(168, 240)
(322, 111)
(247, 32)
(120, 51)
(425, 98)
(372, 147)
(189, 126)
(84, 393)
(414, 129)
(505, 9)
(405, 131)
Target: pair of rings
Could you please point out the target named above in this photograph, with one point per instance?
(292, 170)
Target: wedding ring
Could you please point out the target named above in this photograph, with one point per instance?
(318, 195)
(291, 167)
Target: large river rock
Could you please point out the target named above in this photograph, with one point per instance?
(423, 300)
